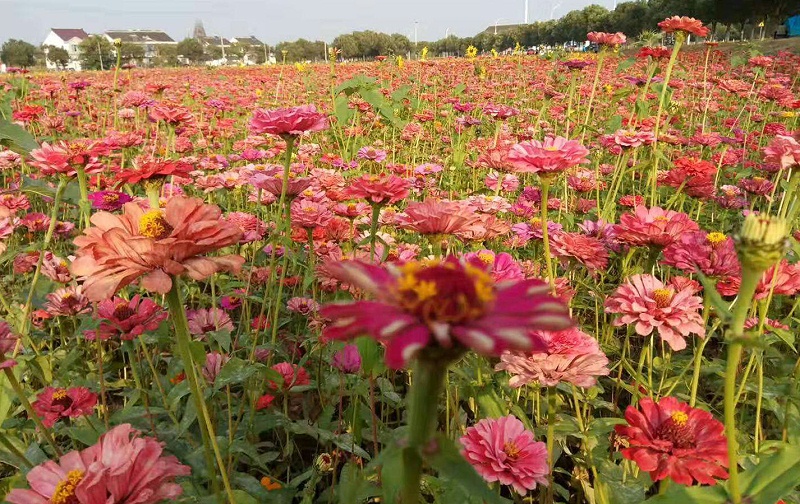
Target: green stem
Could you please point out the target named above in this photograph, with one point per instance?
(12, 380)
(180, 323)
(84, 204)
(545, 235)
(429, 376)
(373, 230)
(750, 279)
(552, 405)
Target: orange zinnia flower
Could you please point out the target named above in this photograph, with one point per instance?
(155, 245)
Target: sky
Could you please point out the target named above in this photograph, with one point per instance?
(273, 21)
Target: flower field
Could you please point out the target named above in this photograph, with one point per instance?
(491, 279)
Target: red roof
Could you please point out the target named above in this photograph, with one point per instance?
(70, 33)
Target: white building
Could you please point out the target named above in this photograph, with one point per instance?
(68, 39)
(150, 40)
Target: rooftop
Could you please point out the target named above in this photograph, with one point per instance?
(70, 33)
(139, 36)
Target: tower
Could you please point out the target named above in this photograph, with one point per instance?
(198, 32)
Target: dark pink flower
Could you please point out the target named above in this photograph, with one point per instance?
(653, 226)
(291, 121)
(53, 404)
(128, 319)
(553, 155)
(448, 304)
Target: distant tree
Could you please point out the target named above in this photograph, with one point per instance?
(97, 53)
(18, 53)
(301, 50)
(192, 50)
(57, 55)
(131, 52)
(166, 56)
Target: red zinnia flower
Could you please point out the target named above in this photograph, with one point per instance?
(684, 24)
(128, 319)
(55, 403)
(670, 439)
(154, 169)
(446, 304)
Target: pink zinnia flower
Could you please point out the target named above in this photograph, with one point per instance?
(653, 226)
(440, 218)
(213, 365)
(109, 201)
(606, 39)
(784, 151)
(501, 266)
(293, 376)
(128, 319)
(55, 403)
(670, 439)
(503, 450)
(371, 154)
(292, 121)
(310, 214)
(347, 360)
(684, 24)
(572, 356)
(712, 253)
(586, 250)
(380, 190)
(122, 468)
(553, 155)
(68, 302)
(446, 304)
(204, 321)
(646, 302)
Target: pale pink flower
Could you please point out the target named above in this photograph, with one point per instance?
(653, 226)
(646, 302)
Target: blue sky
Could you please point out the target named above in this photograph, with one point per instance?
(271, 20)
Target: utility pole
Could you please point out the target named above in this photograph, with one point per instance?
(222, 45)
(526, 11)
(416, 23)
(266, 58)
(100, 54)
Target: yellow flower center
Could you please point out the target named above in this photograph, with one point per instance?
(511, 449)
(486, 257)
(715, 238)
(154, 225)
(679, 418)
(661, 218)
(59, 394)
(444, 292)
(111, 197)
(65, 490)
(662, 297)
(551, 149)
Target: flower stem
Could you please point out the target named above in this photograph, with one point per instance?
(552, 404)
(750, 279)
(178, 316)
(84, 204)
(545, 234)
(373, 230)
(423, 399)
(12, 380)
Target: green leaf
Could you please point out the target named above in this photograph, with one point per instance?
(723, 310)
(353, 487)
(679, 494)
(16, 138)
(454, 468)
(614, 123)
(490, 403)
(391, 464)
(775, 477)
(370, 354)
(234, 371)
(625, 64)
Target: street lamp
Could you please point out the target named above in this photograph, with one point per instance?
(495, 24)
(553, 10)
(416, 24)
(526, 11)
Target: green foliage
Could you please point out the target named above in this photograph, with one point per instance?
(192, 50)
(131, 52)
(18, 53)
(57, 55)
(14, 137)
(97, 53)
(301, 50)
(368, 44)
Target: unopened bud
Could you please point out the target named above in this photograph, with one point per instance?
(324, 463)
(762, 241)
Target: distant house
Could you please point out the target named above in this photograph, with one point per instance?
(68, 39)
(150, 40)
(250, 57)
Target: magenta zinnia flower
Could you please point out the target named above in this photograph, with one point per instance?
(646, 302)
(503, 450)
(572, 356)
(553, 155)
(670, 439)
(128, 319)
(449, 304)
(122, 468)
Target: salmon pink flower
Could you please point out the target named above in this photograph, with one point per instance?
(204, 321)
(670, 439)
(649, 304)
(293, 376)
(553, 155)
(68, 302)
(503, 450)
(783, 150)
(55, 403)
(684, 24)
(121, 468)
(292, 121)
(572, 356)
(586, 250)
(439, 218)
(154, 245)
(606, 39)
(378, 190)
(154, 169)
(653, 226)
(447, 304)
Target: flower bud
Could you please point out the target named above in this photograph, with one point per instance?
(762, 241)
(324, 463)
